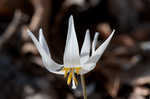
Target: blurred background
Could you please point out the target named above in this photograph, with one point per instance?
(123, 72)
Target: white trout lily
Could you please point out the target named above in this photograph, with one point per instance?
(74, 63)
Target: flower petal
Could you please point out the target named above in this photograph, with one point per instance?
(94, 42)
(51, 66)
(87, 68)
(71, 54)
(97, 54)
(85, 50)
(43, 42)
(47, 61)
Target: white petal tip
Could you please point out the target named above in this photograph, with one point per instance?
(113, 31)
(96, 34)
(87, 31)
(71, 20)
(40, 30)
(40, 34)
(28, 31)
(71, 17)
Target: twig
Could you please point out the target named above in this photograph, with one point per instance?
(13, 26)
(41, 14)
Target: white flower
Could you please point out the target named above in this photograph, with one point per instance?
(73, 61)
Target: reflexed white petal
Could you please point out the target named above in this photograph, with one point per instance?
(51, 66)
(91, 63)
(85, 51)
(98, 53)
(94, 42)
(47, 61)
(35, 42)
(43, 42)
(87, 68)
(58, 72)
(71, 54)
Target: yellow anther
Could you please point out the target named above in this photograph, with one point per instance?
(77, 69)
(71, 75)
(69, 78)
(66, 71)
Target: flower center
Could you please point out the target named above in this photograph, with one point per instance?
(70, 72)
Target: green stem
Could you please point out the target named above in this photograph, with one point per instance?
(83, 86)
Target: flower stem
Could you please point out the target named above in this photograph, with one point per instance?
(83, 86)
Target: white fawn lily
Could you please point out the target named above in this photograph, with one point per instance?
(74, 63)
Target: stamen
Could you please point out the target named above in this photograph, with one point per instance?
(69, 77)
(66, 72)
(77, 69)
